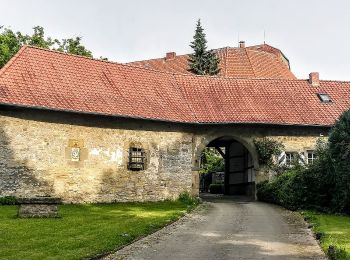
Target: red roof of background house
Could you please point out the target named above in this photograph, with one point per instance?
(260, 61)
(51, 80)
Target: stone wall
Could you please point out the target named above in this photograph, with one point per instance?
(35, 158)
(36, 154)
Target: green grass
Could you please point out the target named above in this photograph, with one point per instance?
(83, 230)
(335, 230)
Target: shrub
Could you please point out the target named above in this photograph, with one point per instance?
(266, 149)
(8, 200)
(292, 189)
(265, 192)
(188, 199)
(216, 188)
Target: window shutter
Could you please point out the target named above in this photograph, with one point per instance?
(302, 159)
(282, 158)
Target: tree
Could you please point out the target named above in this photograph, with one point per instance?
(74, 46)
(202, 61)
(339, 146)
(11, 42)
(211, 161)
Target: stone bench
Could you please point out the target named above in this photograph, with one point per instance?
(38, 207)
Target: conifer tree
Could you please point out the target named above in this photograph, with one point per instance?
(202, 61)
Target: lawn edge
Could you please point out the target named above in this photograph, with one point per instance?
(310, 227)
(189, 211)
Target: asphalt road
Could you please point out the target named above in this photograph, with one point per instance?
(226, 228)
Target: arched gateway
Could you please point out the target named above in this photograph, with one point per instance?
(241, 162)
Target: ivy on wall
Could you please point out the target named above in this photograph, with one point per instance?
(266, 149)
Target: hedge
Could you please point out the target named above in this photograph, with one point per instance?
(216, 188)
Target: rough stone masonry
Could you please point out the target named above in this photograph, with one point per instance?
(84, 158)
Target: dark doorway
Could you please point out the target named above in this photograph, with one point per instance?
(239, 175)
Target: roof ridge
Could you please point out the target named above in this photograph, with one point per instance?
(10, 62)
(250, 62)
(146, 69)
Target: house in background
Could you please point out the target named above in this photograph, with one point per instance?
(88, 130)
(260, 61)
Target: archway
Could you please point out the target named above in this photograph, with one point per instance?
(240, 162)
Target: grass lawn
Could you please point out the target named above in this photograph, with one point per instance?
(83, 230)
(336, 230)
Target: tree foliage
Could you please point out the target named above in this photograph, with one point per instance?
(202, 61)
(339, 147)
(74, 46)
(211, 161)
(11, 42)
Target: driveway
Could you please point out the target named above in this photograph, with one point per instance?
(229, 228)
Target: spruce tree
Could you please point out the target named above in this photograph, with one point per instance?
(202, 61)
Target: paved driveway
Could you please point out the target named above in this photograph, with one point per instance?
(226, 228)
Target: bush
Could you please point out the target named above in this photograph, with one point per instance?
(8, 200)
(216, 188)
(292, 189)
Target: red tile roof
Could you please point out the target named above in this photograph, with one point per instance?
(260, 61)
(51, 80)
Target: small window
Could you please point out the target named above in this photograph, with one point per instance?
(311, 156)
(291, 158)
(324, 98)
(136, 159)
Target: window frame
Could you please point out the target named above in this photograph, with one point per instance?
(313, 157)
(323, 100)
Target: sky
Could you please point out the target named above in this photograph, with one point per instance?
(314, 35)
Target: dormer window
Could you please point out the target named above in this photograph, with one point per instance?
(325, 98)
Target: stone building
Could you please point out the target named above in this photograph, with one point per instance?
(88, 130)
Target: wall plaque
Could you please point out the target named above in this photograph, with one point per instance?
(75, 154)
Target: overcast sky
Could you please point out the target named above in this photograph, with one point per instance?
(314, 35)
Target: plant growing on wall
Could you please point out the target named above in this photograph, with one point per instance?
(266, 149)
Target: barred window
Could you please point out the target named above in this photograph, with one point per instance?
(137, 159)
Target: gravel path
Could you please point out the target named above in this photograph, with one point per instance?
(224, 228)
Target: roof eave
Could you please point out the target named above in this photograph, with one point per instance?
(163, 120)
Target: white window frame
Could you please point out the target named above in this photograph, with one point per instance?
(313, 156)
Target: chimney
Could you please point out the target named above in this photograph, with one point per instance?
(241, 44)
(314, 79)
(170, 55)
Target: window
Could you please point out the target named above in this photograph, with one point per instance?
(136, 159)
(324, 97)
(311, 156)
(291, 157)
